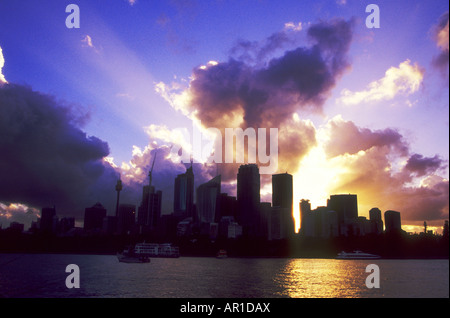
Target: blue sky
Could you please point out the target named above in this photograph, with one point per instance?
(108, 68)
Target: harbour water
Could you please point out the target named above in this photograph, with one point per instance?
(102, 276)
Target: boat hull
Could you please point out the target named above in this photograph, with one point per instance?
(132, 259)
(356, 256)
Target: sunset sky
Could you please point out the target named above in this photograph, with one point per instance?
(358, 110)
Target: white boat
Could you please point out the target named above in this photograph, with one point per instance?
(356, 255)
(141, 252)
(133, 255)
(157, 250)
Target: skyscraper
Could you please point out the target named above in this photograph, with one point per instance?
(305, 215)
(47, 221)
(392, 221)
(376, 221)
(208, 200)
(346, 207)
(282, 197)
(93, 217)
(183, 200)
(248, 199)
(149, 211)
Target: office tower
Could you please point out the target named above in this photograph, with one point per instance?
(126, 219)
(248, 199)
(183, 200)
(363, 226)
(208, 199)
(93, 217)
(282, 197)
(346, 207)
(375, 219)
(392, 221)
(305, 212)
(48, 220)
(149, 210)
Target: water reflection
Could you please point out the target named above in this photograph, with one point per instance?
(313, 278)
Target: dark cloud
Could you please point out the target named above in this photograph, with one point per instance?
(421, 166)
(46, 159)
(348, 138)
(254, 89)
(267, 96)
(256, 52)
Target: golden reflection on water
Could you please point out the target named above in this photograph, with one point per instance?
(313, 278)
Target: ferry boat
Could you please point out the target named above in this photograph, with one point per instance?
(131, 256)
(356, 255)
(154, 250)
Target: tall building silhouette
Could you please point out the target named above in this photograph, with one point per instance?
(48, 220)
(149, 210)
(282, 197)
(208, 199)
(376, 221)
(346, 207)
(392, 221)
(248, 199)
(93, 217)
(183, 200)
(305, 213)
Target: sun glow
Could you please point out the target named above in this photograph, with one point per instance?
(313, 179)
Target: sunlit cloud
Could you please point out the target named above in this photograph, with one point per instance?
(88, 42)
(378, 166)
(404, 79)
(17, 212)
(2, 63)
(293, 26)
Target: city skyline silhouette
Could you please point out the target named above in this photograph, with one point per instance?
(237, 223)
(352, 106)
